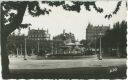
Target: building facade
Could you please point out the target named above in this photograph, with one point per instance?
(34, 34)
(93, 32)
(38, 41)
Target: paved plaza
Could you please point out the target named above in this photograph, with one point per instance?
(83, 68)
(20, 63)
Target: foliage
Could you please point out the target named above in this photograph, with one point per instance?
(115, 11)
(44, 46)
(61, 40)
(13, 11)
(65, 37)
(35, 10)
(15, 41)
(62, 55)
(84, 42)
(75, 5)
(11, 46)
(116, 38)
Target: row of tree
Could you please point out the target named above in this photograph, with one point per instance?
(113, 42)
(16, 44)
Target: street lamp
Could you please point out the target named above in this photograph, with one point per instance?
(25, 51)
(17, 52)
(100, 55)
(21, 50)
(38, 45)
(95, 45)
(52, 47)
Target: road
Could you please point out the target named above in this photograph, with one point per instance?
(88, 67)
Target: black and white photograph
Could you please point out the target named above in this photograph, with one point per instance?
(63, 39)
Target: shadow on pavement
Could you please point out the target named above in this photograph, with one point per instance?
(112, 72)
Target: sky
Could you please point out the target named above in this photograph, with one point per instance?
(72, 21)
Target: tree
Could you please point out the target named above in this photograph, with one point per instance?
(61, 39)
(85, 43)
(15, 42)
(11, 46)
(116, 38)
(12, 13)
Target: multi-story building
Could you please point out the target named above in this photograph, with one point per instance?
(34, 34)
(93, 32)
(38, 40)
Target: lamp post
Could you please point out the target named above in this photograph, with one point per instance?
(95, 45)
(52, 47)
(100, 55)
(38, 45)
(17, 52)
(21, 50)
(64, 41)
(25, 54)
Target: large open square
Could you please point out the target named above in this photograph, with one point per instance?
(84, 67)
(63, 39)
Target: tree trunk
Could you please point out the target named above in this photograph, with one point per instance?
(4, 56)
(6, 30)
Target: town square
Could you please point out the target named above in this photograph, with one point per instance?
(63, 39)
